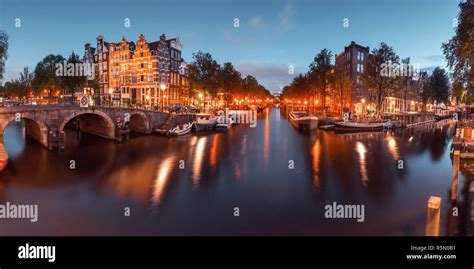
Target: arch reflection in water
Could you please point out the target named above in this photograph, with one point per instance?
(362, 151)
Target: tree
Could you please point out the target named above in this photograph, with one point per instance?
(439, 83)
(381, 84)
(230, 80)
(204, 73)
(342, 85)
(13, 88)
(77, 81)
(320, 75)
(3, 52)
(25, 81)
(405, 79)
(459, 51)
(426, 93)
(45, 74)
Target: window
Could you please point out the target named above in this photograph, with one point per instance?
(134, 79)
(141, 54)
(149, 65)
(141, 66)
(142, 78)
(150, 78)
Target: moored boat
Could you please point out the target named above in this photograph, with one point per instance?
(205, 122)
(390, 124)
(303, 121)
(349, 126)
(182, 129)
(224, 124)
(3, 158)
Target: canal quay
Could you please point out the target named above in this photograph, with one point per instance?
(268, 180)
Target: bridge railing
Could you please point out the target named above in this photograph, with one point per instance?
(24, 108)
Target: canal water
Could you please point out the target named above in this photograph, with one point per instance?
(267, 180)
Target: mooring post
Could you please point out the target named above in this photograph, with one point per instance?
(470, 210)
(433, 216)
(455, 181)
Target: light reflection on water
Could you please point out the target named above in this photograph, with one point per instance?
(244, 167)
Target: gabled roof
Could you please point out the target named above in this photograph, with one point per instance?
(154, 45)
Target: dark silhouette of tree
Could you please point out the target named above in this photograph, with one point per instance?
(380, 84)
(3, 52)
(439, 84)
(459, 51)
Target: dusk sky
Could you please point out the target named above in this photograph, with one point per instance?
(273, 34)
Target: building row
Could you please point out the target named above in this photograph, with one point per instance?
(141, 72)
(354, 59)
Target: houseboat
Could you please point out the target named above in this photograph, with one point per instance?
(3, 158)
(303, 121)
(412, 119)
(205, 122)
(441, 114)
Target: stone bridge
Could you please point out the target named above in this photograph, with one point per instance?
(43, 122)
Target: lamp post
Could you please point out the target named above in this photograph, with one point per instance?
(111, 91)
(200, 97)
(363, 105)
(147, 97)
(163, 88)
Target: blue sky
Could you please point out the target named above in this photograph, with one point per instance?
(272, 34)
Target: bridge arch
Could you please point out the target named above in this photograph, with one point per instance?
(95, 122)
(139, 122)
(34, 128)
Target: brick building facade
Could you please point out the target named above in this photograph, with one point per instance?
(144, 73)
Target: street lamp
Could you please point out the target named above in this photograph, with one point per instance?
(163, 88)
(363, 105)
(200, 95)
(147, 97)
(110, 96)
